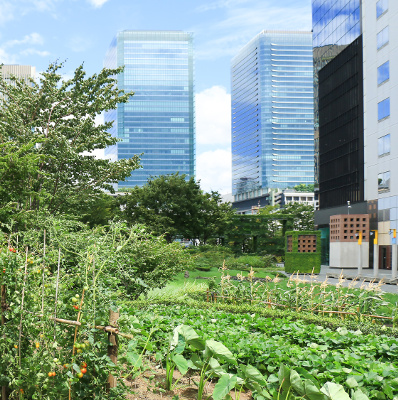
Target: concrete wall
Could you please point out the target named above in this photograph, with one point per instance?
(346, 254)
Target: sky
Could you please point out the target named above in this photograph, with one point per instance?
(39, 32)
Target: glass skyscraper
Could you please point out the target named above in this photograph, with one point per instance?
(335, 25)
(272, 114)
(158, 121)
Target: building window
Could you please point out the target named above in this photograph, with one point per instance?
(381, 7)
(382, 38)
(383, 109)
(383, 73)
(384, 182)
(384, 145)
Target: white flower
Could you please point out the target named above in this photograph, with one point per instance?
(213, 320)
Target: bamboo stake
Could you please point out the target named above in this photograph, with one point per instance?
(22, 305)
(113, 346)
(56, 288)
(42, 287)
(3, 321)
(107, 328)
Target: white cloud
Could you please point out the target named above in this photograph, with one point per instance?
(219, 4)
(6, 11)
(241, 20)
(79, 44)
(213, 116)
(44, 5)
(30, 52)
(97, 3)
(213, 169)
(9, 55)
(6, 58)
(213, 138)
(32, 38)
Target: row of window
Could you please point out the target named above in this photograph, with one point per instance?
(383, 75)
(383, 107)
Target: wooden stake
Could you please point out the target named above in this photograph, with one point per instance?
(22, 305)
(3, 321)
(113, 346)
(44, 265)
(56, 289)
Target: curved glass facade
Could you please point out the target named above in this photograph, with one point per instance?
(272, 113)
(159, 120)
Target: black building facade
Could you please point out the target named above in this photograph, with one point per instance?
(341, 143)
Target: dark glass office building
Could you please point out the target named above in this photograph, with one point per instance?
(341, 139)
(272, 114)
(159, 120)
(335, 25)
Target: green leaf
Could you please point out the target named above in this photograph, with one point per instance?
(334, 391)
(284, 377)
(312, 392)
(197, 361)
(191, 337)
(359, 395)
(134, 359)
(76, 367)
(224, 385)
(296, 382)
(181, 363)
(218, 350)
(351, 382)
(254, 374)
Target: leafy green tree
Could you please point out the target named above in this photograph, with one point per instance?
(174, 206)
(303, 216)
(47, 134)
(304, 188)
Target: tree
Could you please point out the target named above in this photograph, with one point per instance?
(303, 215)
(175, 206)
(47, 134)
(304, 188)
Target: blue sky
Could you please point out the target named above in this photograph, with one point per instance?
(37, 32)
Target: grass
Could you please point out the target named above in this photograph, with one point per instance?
(194, 276)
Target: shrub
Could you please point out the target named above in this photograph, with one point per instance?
(207, 256)
(247, 261)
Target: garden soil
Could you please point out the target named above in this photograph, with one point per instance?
(150, 386)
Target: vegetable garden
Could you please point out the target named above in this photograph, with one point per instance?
(75, 323)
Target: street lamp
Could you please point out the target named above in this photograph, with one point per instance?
(348, 206)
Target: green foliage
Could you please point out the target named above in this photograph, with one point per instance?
(304, 188)
(258, 233)
(175, 206)
(245, 262)
(207, 256)
(303, 215)
(47, 132)
(305, 263)
(77, 273)
(277, 355)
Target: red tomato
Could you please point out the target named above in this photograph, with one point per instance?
(83, 365)
(83, 370)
